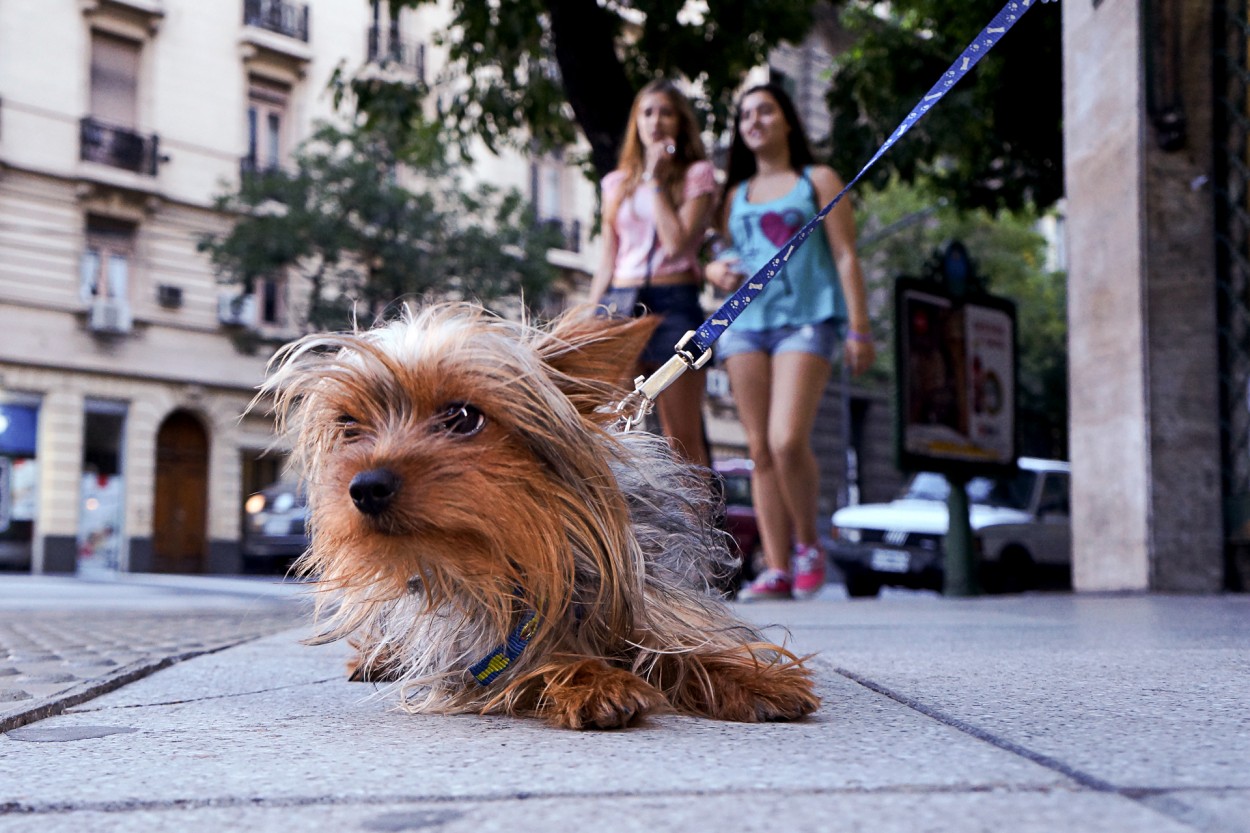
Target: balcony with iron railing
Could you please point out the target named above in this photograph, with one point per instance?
(290, 19)
(118, 147)
(252, 165)
(263, 176)
(387, 47)
(570, 232)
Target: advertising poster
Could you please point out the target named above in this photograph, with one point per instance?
(957, 379)
(991, 381)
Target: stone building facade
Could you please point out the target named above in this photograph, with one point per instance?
(1158, 435)
(122, 444)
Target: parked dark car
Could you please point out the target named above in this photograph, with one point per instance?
(740, 520)
(274, 533)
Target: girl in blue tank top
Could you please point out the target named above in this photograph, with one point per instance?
(806, 290)
(778, 352)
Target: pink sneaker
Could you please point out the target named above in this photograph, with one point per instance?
(808, 562)
(770, 584)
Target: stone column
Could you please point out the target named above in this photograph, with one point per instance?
(59, 452)
(1141, 295)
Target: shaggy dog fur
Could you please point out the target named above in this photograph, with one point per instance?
(466, 475)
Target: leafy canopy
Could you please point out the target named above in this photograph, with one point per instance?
(995, 141)
(530, 70)
(523, 71)
(357, 230)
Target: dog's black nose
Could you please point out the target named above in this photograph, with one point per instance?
(373, 490)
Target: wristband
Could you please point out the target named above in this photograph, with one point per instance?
(862, 338)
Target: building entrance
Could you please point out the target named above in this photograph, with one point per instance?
(180, 510)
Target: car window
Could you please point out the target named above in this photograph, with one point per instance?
(1014, 492)
(738, 490)
(1054, 495)
(926, 485)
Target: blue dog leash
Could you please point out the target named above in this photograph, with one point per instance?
(695, 348)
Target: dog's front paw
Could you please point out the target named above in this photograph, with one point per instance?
(594, 695)
(749, 689)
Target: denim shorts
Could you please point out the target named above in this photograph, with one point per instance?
(819, 339)
(679, 306)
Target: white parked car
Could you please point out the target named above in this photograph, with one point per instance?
(1020, 527)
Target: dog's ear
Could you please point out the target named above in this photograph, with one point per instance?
(594, 349)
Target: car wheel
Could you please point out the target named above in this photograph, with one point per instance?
(862, 585)
(1016, 570)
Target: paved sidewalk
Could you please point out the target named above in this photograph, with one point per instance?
(64, 641)
(1036, 713)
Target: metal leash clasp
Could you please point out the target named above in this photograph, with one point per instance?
(635, 407)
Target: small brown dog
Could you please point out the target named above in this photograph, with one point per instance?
(491, 540)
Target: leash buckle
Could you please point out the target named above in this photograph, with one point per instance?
(689, 358)
(635, 407)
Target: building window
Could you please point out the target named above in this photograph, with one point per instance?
(266, 120)
(102, 496)
(546, 179)
(271, 302)
(114, 79)
(19, 477)
(105, 268)
(546, 195)
(108, 134)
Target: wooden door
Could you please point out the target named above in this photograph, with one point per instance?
(180, 511)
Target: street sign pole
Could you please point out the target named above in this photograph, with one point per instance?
(960, 565)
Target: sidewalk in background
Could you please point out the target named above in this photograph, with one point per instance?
(66, 640)
(1035, 713)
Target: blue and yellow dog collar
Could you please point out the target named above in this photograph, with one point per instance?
(486, 670)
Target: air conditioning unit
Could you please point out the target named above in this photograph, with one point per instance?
(169, 296)
(109, 315)
(236, 310)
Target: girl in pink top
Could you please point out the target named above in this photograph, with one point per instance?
(657, 205)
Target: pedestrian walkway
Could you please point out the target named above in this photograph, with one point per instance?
(64, 641)
(1035, 713)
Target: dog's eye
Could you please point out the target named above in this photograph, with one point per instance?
(348, 426)
(462, 419)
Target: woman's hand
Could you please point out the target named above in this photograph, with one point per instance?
(724, 275)
(860, 352)
(659, 157)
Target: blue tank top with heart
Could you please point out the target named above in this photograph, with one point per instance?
(807, 289)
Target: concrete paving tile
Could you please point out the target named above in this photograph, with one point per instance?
(51, 658)
(1215, 811)
(1137, 692)
(1162, 719)
(295, 727)
(1042, 811)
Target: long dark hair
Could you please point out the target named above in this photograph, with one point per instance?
(741, 165)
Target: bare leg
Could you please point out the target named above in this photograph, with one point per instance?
(798, 382)
(750, 376)
(681, 416)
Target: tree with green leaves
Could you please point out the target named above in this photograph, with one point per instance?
(524, 71)
(533, 70)
(344, 226)
(904, 227)
(995, 141)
